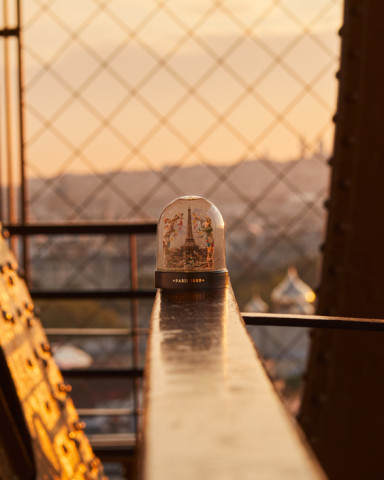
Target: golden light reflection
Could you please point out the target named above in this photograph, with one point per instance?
(50, 416)
(310, 296)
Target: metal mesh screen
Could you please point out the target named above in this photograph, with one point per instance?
(131, 104)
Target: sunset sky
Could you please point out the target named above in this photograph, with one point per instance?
(83, 118)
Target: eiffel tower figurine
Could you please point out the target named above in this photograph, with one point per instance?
(191, 250)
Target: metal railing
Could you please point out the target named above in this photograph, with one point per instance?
(210, 411)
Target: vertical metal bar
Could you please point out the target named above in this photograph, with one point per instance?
(8, 117)
(135, 322)
(23, 192)
(2, 216)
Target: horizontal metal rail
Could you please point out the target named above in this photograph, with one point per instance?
(313, 321)
(94, 332)
(92, 294)
(105, 412)
(82, 229)
(115, 447)
(10, 32)
(102, 372)
(113, 439)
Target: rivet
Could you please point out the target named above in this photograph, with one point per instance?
(356, 10)
(318, 400)
(79, 425)
(344, 183)
(64, 388)
(46, 348)
(327, 203)
(30, 322)
(352, 97)
(334, 270)
(348, 140)
(340, 227)
(354, 54)
(95, 462)
(28, 306)
(8, 316)
(323, 357)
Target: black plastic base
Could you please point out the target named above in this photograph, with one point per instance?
(190, 280)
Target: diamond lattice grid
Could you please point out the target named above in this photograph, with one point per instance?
(131, 104)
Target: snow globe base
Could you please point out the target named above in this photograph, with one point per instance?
(191, 280)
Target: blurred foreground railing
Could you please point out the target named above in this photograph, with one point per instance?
(210, 410)
(116, 448)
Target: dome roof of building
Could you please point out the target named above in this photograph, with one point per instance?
(292, 295)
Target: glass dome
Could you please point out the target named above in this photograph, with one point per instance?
(190, 241)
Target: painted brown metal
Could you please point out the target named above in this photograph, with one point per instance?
(210, 410)
(342, 411)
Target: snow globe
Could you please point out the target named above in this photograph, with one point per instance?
(190, 246)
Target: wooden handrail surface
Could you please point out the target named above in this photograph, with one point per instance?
(210, 411)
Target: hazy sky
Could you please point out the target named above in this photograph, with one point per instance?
(168, 115)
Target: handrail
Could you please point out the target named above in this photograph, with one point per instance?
(92, 294)
(210, 410)
(313, 321)
(104, 372)
(106, 228)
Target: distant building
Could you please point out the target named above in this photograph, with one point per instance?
(285, 347)
(292, 295)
